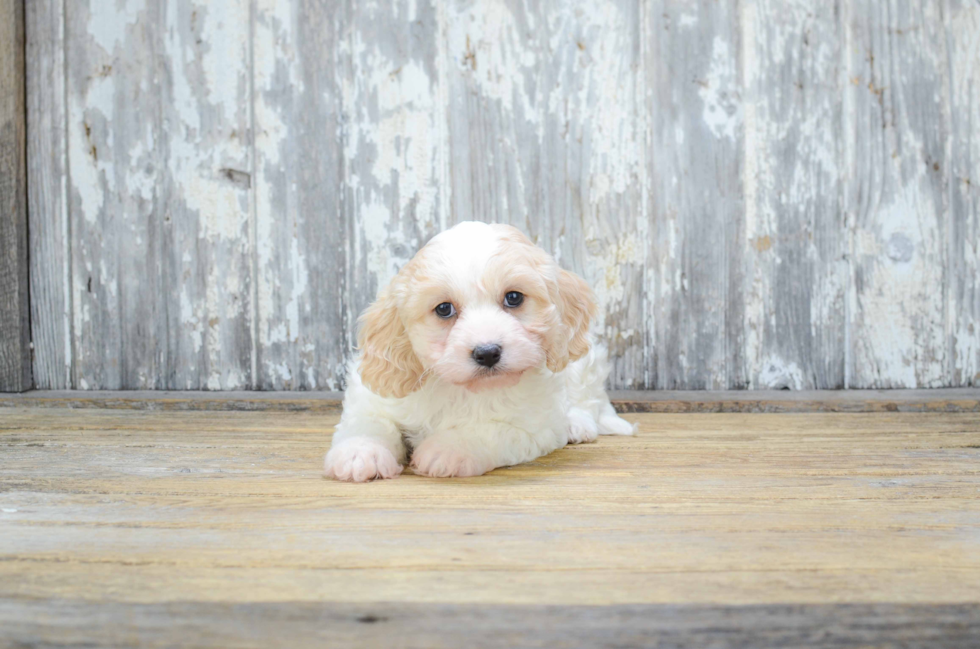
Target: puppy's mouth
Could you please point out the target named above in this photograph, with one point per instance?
(492, 378)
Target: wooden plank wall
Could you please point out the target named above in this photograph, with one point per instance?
(15, 340)
(764, 194)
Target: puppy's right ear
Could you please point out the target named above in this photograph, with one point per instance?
(389, 366)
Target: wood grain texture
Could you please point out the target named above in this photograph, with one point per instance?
(15, 337)
(896, 193)
(695, 105)
(300, 235)
(963, 286)
(62, 622)
(158, 133)
(660, 401)
(795, 266)
(762, 196)
(47, 184)
(226, 512)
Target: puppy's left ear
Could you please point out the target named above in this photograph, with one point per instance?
(389, 366)
(577, 307)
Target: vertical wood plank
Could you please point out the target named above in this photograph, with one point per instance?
(963, 275)
(695, 152)
(15, 340)
(50, 241)
(207, 252)
(896, 193)
(160, 169)
(300, 230)
(396, 186)
(546, 133)
(92, 196)
(795, 243)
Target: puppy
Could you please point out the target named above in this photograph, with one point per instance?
(476, 356)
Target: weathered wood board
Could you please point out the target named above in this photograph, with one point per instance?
(60, 622)
(47, 182)
(158, 207)
(963, 287)
(795, 269)
(300, 293)
(15, 339)
(896, 194)
(216, 528)
(950, 400)
(764, 195)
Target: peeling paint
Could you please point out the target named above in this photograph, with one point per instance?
(491, 47)
(90, 178)
(245, 176)
(395, 141)
(719, 91)
(108, 21)
(896, 194)
(963, 278)
(777, 374)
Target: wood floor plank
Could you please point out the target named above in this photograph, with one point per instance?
(141, 512)
(73, 622)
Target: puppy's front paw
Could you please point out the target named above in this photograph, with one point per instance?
(582, 427)
(360, 459)
(437, 460)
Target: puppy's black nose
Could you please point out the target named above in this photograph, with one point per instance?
(487, 355)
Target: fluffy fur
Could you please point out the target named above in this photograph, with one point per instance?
(415, 394)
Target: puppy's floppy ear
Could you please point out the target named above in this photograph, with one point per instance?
(389, 366)
(577, 307)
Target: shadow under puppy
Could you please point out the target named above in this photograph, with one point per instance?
(477, 355)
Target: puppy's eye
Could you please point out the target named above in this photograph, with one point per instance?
(445, 310)
(513, 299)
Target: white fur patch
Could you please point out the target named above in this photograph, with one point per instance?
(582, 427)
(437, 459)
(359, 459)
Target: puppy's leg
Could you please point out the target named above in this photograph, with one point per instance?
(582, 426)
(477, 450)
(443, 456)
(365, 448)
(589, 412)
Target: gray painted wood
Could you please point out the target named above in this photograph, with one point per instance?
(160, 203)
(47, 182)
(763, 195)
(300, 237)
(795, 246)
(896, 197)
(78, 622)
(963, 279)
(695, 105)
(15, 352)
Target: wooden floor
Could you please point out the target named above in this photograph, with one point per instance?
(153, 528)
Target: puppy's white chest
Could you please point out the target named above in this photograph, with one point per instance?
(534, 403)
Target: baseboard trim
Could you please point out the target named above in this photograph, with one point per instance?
(749, 401)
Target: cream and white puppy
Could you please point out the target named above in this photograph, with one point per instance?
(476, 356)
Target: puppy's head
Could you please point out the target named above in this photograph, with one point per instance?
(478, 306)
